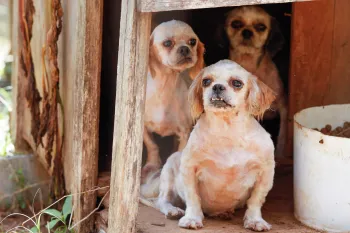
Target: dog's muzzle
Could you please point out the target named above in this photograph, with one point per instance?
(185, 60)
(219, 102)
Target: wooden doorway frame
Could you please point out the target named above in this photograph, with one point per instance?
(135, 29)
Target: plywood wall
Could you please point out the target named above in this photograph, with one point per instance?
(79, 58)
(21, 117)
(320, 56)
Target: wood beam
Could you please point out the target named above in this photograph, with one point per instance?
(171, 5)
(135, 31)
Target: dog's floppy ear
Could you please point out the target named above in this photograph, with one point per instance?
(259, 97)
(195, 97)
(151, 47)
(153, 60)
(193, 71)
(275, 41)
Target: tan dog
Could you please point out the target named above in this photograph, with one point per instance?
(229, 158)
(174, 48)
(254, 39)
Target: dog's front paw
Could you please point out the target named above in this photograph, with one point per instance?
(174, 213)
(190, 222)
(256, 224)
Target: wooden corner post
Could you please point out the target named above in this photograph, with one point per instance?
(82, 164)
(135, 30)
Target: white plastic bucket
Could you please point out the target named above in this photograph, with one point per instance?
(322, 169)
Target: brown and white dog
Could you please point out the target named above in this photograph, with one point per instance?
(228, 161)
(254, 39)
(174, 48)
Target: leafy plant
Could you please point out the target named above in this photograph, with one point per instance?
(5, 108)
(4, 147)
(5, 95)
(59, 219)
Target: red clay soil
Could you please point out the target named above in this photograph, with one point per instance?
(278, 211)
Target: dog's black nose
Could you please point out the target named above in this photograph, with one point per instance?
(184, 50)
(218, 88)
(247, 34)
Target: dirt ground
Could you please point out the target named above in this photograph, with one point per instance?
(278, 211)
(11, 222)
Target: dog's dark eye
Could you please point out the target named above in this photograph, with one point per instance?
(236, 24)
(237, 84)
(167, 43)
(192, 42)
(206, 82)
(260, 27)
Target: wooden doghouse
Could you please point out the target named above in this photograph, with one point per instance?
(318, 75)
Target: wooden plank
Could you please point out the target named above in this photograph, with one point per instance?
(79, 60)
(17, 119)
(68, 68)
(128, 128)
(170, 5)
(41, 23)
(85, 112)
(311, 56)
(338, 86)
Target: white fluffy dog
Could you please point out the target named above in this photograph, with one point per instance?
(228, 161)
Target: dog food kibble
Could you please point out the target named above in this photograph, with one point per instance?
(338, 132)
